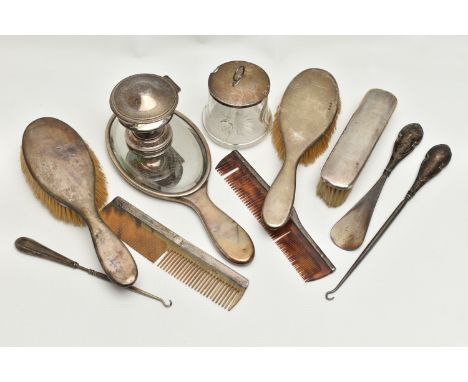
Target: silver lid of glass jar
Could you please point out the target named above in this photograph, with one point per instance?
(239, 84)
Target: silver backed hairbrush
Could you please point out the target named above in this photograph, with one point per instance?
(62, 172)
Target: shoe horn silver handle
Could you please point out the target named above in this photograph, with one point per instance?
(350, 231)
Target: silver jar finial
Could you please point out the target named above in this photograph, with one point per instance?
(237, 114)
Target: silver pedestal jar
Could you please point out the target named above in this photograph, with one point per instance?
(162, 153)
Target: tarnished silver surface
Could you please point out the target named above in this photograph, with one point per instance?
(307, 109)
(142, 100)
(349, 232)
(114, 129)
(239, 84)
(229, 237)
(358, 139)
(59, 162)
(436, 159)
(174, 254)
(33, 248)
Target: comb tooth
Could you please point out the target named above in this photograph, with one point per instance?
(197, 278)
(188, 273)
(225, 168)
(193, 278)
(215, 290)
(222, 168)
(231, 173)
(176, 271)
(279, 238)
(224, 302)
(228, 304)
(204, 283)
(235, 299)
(222, 288)
(175, 264)
(226, 163)
(211, 286)
(223, 296)
(200, 280)
(165, 259)
(184, 263)
(182, 269)
(221, 293)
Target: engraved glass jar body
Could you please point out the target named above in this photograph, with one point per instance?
(236, 127)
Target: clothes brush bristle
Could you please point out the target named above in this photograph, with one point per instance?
(58, 210)
(332, 196)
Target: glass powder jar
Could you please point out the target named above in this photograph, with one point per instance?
(237, 114)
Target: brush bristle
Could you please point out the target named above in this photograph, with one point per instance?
(314, 151)
(58, 210)
(332, 196)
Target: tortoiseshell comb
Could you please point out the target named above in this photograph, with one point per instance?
(293, 240)
(175, 255)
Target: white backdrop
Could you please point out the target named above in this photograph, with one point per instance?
(411, 290)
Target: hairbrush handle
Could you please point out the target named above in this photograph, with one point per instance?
(436, 159)
(279, 200)
(31, 247)
(228, 236)
(115, 258)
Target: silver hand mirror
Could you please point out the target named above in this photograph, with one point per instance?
(162, 153)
